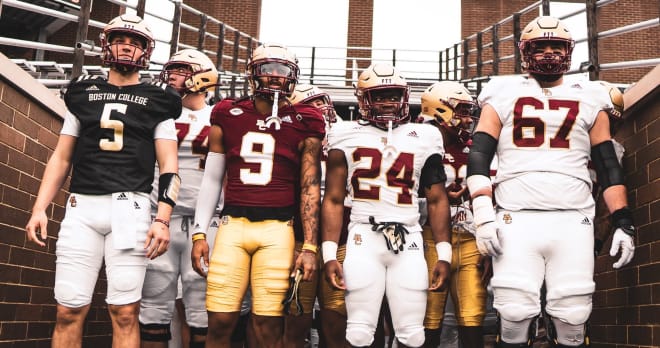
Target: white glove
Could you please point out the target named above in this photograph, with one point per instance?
(487, 241)
(624, 242)
(484, 217)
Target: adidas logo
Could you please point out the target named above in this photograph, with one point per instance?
(136, 205)
(92, 88)
(413, 246)
(413, 134)
(214, 223)
(122, 197)
(586, 221)
(287, 118)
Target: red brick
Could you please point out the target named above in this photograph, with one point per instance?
(8, 175)
(12, 331)
(649, 274)
(16, 100)
(650, 315)
(640, 335)
(16, 198)
(6, 114)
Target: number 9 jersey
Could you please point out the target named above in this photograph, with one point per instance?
(115, 133)
(544, 145)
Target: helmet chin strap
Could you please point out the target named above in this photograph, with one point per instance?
(389, 149)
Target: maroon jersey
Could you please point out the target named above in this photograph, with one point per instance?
(263, 162)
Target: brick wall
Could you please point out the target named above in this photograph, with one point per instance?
(624, 47)
(29, 124)
(360, 28)
(627, 302)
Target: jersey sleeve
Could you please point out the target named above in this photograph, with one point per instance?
(220, 109)
(313, 120)
(71, 125)
(491, 94)
(166, 130)
(174, 101)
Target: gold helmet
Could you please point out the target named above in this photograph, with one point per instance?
(543, 30)
(199, 71)
(306, 94)
(615, 113)
(134, 26)
(272, 60)
(448, 103)
(380, 80)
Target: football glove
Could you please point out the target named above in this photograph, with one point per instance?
(624, 242)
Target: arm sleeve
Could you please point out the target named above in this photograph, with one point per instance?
(210, 190)
(166, 130)
(71, 125)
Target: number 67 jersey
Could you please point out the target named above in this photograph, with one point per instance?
(384, 171)
(544, 145)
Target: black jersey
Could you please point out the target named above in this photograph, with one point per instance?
(115, 148)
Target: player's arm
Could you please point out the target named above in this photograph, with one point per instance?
(207, 201)
(332, 214)
(55, 174)
(158, 237)
(310, 204)
(484, 145)
(433, 180)
(611, 179)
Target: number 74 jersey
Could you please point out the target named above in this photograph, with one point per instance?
(383, 174)
(545, 136)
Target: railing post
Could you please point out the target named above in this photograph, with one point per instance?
(202, 32)
(479, 54)
(447, 63)
(456, 62)
(81, 36)
(466, 59)
(592, 39)
(311, 73)
(517, 68)
(247, 58)
(176, 27)
(496, 50)
(439, 65)
(139, 9)
(394, 57)
(234, 62)
(545, 7)
(220, 56)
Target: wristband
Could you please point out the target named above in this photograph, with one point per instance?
(444, 251)
(164, 222)
(482, 209)
(329, 249)
(310, 247)
(622, 218)
(198, 236)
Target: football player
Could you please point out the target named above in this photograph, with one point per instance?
(269, 149)
(114, 132)
(192, 74)
(450, 107)
(385, 160)
(544, 130)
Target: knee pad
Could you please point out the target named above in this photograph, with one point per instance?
(195, 333)
(563, 334)
(155, 332)
(520, 333)
(359, 336)
(411, 338)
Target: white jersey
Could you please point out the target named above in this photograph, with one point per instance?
(544, 145)
(384, 184)
(192, 132)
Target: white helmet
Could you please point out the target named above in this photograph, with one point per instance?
(272, 60)
(131, 25)
(198, 69)
(447, 103)
(545, 29)
(383, 78)
(304, 93)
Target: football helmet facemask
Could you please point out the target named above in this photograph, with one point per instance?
(537, 34)
(451, 106)
(615, 113)
(270, 61)
(309, 94)
(199, 71)
(133, 26)
(383, 95)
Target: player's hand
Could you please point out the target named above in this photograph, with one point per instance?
(199, 254)
(485, 265)
(334, 273)
(36, 228)
(440, 278)
(158, 240)
(487, 240)
(305, 261)
(455, 192)
(623, 242)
